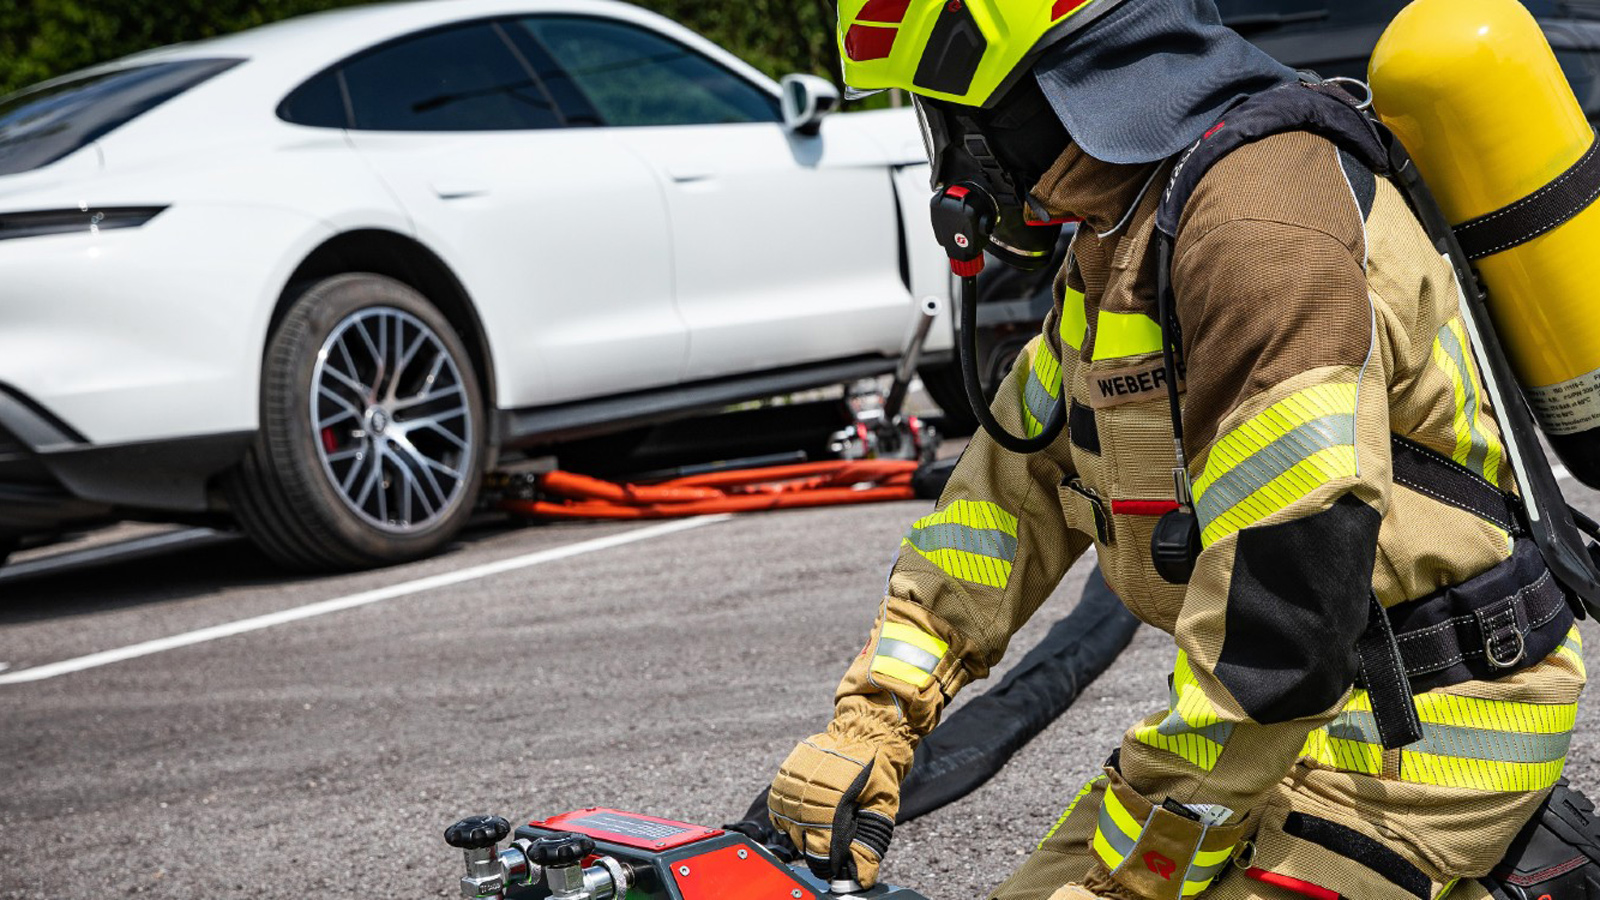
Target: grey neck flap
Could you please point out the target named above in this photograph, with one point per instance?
(1150, 77)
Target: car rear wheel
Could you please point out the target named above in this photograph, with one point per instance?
(371, 440)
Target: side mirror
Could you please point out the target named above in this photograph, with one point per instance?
(806, 99)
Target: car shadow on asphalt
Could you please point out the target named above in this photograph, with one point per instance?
(176, 574)
(213, 563)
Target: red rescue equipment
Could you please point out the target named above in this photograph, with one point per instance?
(567, 495)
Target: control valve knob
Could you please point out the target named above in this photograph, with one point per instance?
(565, 850)
(477, 832)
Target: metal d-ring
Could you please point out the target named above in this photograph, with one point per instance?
(1366, 89)
(1494, 658)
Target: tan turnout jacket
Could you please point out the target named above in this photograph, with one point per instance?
(1316, 320)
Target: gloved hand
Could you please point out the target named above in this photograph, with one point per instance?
(837, 794)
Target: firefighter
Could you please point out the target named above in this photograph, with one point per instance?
(1375, 676)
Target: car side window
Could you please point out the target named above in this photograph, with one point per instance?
(319, 103)
(632, 76)
(465, 78)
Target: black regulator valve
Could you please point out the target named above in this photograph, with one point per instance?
(964, 218)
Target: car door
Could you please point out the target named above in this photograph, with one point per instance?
(785, 247)
(557, 230)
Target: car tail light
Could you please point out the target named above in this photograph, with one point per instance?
(74, 221)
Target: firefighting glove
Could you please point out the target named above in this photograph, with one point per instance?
(837, 794)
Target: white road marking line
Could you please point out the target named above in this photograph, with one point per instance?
(337, 604)
(1561, 473)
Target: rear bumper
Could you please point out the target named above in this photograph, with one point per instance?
(51, 476)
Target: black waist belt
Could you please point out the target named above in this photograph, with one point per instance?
(1489, 626)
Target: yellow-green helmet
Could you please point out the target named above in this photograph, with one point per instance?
(962, 51)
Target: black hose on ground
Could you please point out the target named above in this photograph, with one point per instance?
(975, 741)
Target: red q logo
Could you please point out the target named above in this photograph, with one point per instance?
(961, 240)
(1160, 865)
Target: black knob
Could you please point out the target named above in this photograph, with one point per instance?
(477, 832)
(565, 850)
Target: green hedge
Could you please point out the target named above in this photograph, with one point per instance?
(40, 39)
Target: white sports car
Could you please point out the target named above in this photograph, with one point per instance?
(317, 275)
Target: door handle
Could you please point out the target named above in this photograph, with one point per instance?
(689, 173)
(455, 190)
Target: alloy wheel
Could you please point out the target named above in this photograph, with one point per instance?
(391, 419)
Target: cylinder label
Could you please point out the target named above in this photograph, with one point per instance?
(1568, 407)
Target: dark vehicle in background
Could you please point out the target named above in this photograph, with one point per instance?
(1332, 38)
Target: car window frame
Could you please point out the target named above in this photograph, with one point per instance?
(765, 90)
(496, 22)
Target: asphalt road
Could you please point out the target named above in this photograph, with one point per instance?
(526, 672)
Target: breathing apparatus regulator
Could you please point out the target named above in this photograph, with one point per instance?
(984, 162)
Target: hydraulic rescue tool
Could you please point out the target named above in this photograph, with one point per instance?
(608, 854)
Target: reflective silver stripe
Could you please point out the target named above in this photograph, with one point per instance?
(950, 536)
(1260, 468)
(1479, 451)
(1203, 874)
(1037, 397)
(912, 656)
(1461, 742)
(1174, 725)
(1122, 843)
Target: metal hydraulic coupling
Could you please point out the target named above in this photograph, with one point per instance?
(555, 859)
(489, 870)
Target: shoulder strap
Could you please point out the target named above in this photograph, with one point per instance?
(1322, 109)
(1326, 110)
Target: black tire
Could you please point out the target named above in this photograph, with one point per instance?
(286, 493)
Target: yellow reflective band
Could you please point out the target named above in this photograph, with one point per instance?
(1103, 849)
(1476, 448)
(1276, 458)
(1042, 388)
(1493, 452)
(972, 540)
(1121, 817)
(1193, 729)
(1495, 745)
(1483, 775)
(1074, 321)
(1344, 755)
(894, 668)
(1125, 334)
(908, 652)
(1113, 848)
(1571, 650)
(1282, 492)
(1082, 793)
(916, 637)
(1116, 835)
(1261, 430)
(1497, 715)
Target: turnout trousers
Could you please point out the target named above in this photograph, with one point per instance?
(1065, 855)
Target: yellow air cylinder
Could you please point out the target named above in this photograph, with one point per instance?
(1474, 92)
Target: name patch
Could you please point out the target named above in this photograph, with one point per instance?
(1128, 384)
